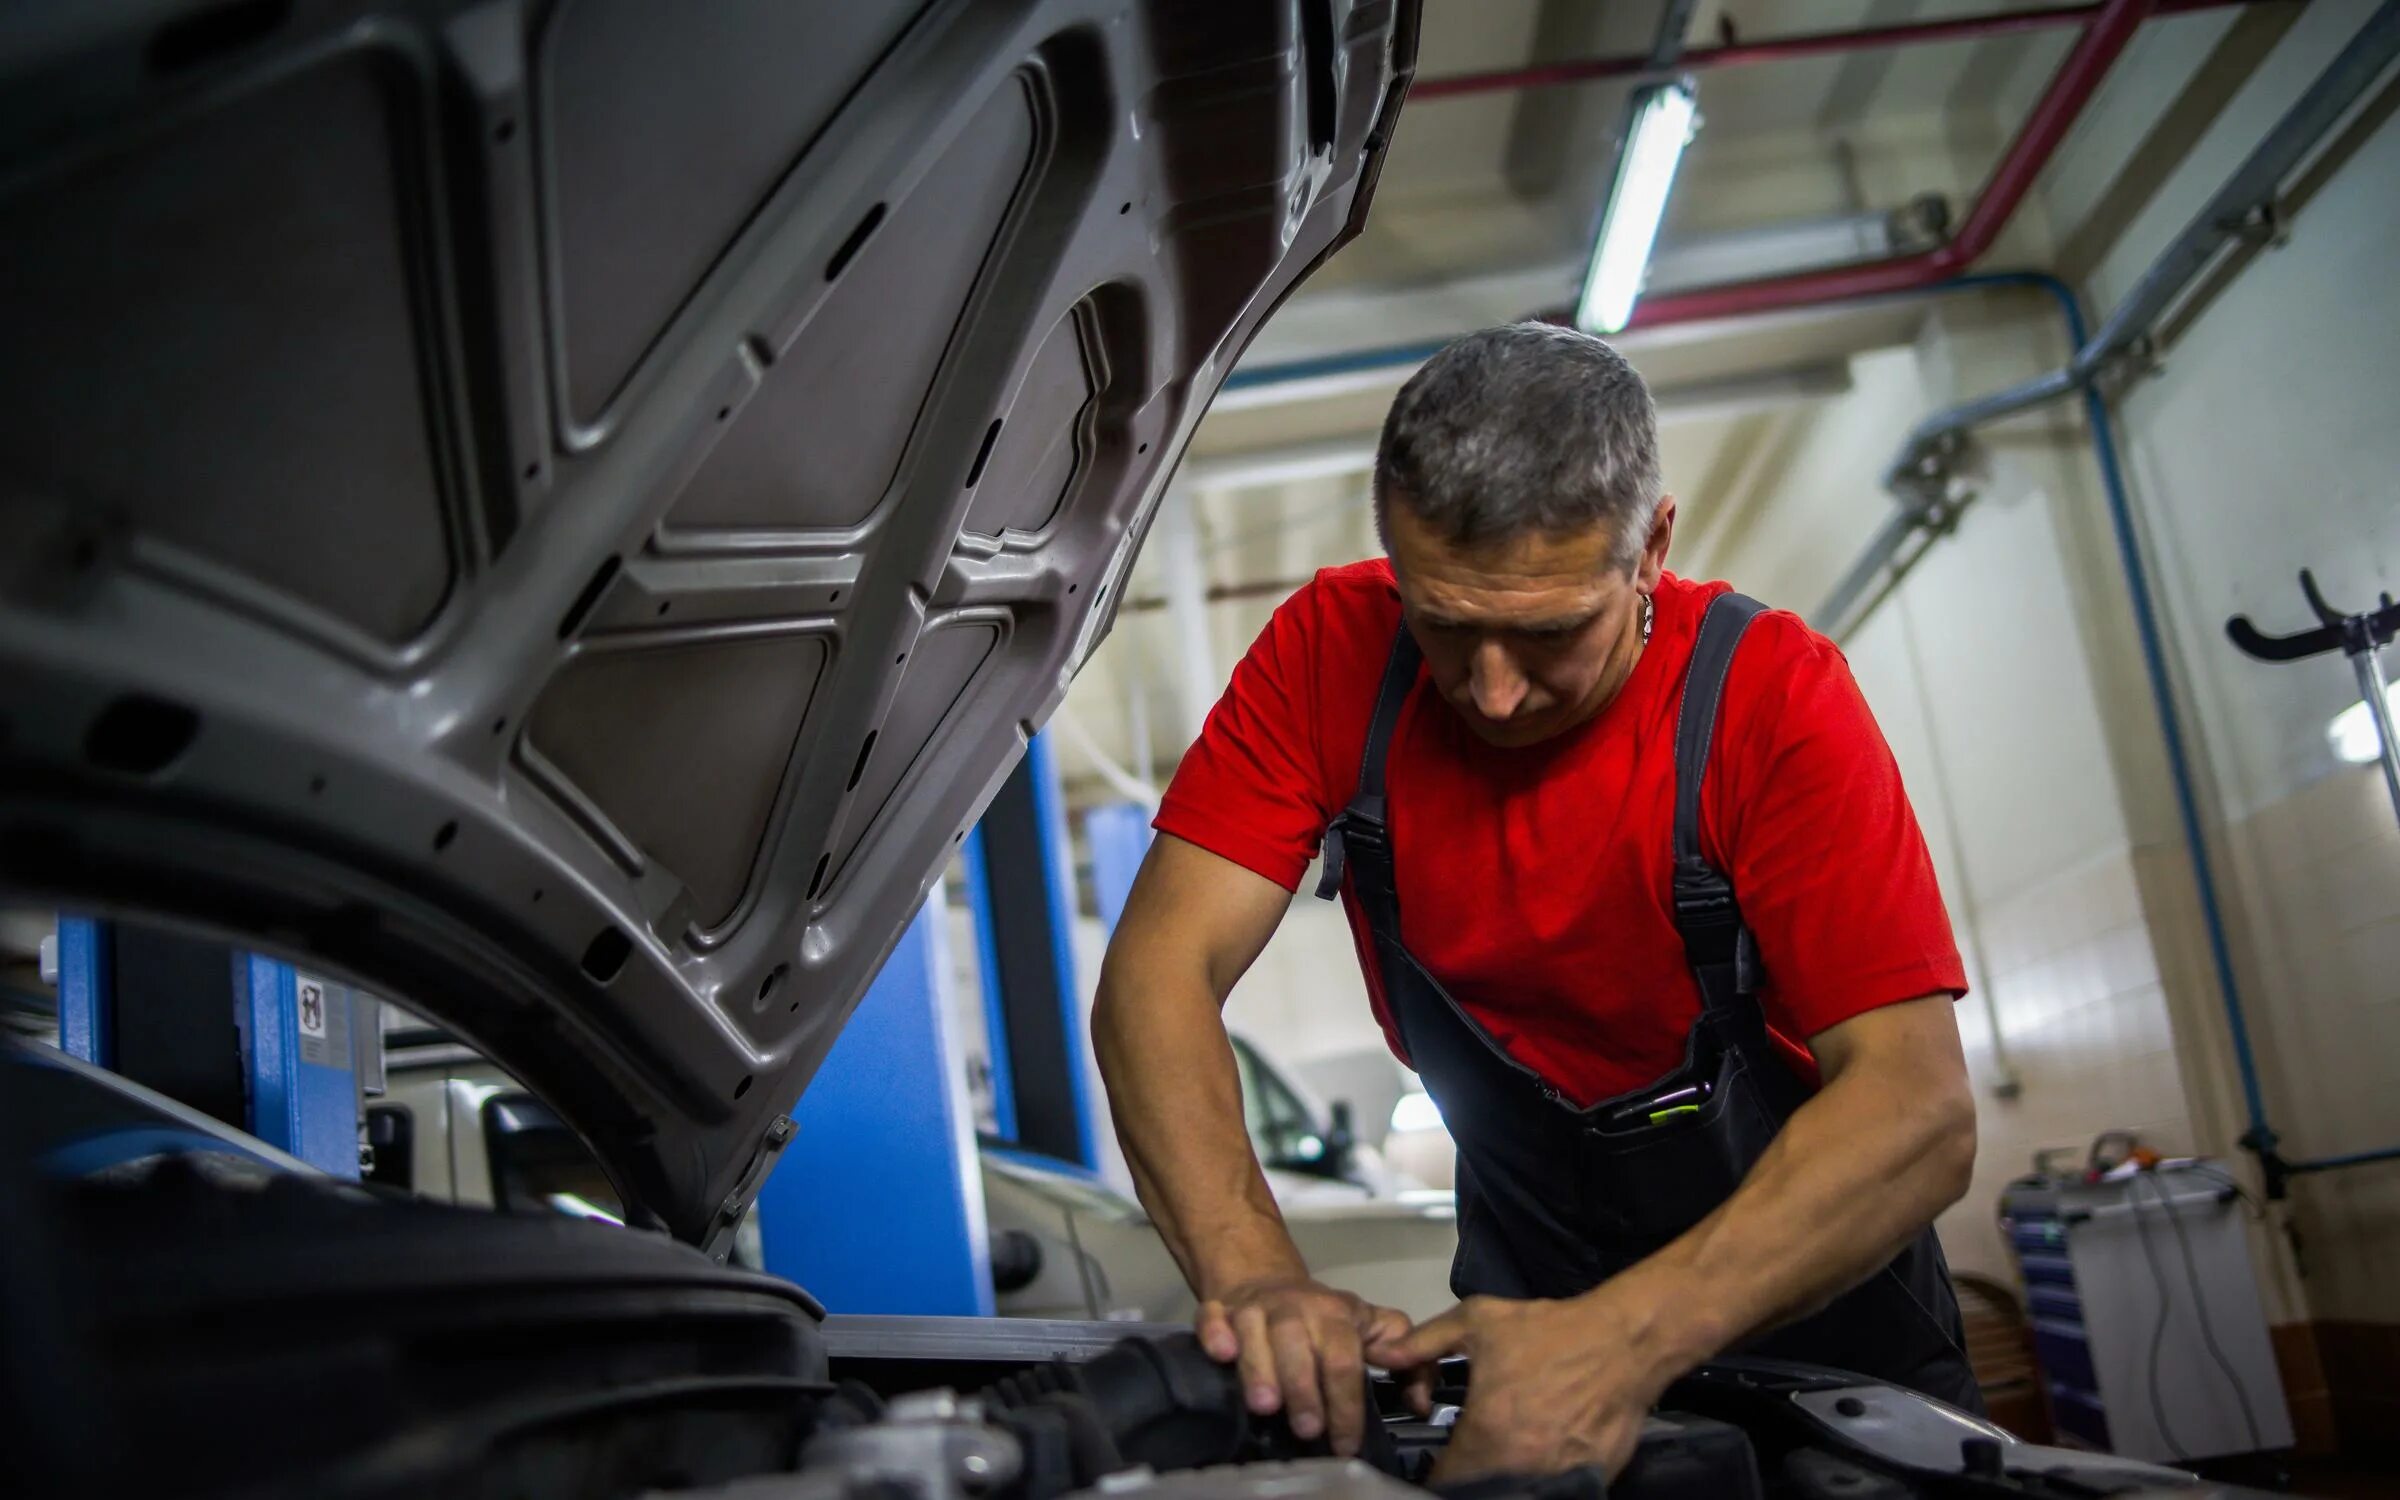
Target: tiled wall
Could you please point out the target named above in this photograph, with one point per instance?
(2317, 876)
(2085, 1021)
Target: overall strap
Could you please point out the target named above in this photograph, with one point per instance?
(1363, 820)
(1723, 958)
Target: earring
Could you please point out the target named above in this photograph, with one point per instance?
(1649, 617)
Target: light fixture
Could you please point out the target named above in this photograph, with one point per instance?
(2352, 732)
(1415, 1111)
(1664, 117)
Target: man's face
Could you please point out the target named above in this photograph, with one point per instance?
(1527, 636)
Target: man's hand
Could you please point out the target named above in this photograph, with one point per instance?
(1192, 924)
(1855, 1174)
(1553, 1385)
(1299, 1345)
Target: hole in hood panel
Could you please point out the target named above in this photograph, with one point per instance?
(943, 669)
(683, 747)
(819, 443)
(1041, 447)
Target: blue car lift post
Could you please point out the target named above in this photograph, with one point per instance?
(246, 1039)
(1118, 834)
(1021, 881)
(877, 1204)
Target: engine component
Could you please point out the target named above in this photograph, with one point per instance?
(1016, 1260)
(931, 1445)
(1165, 1403)
(1292, 1479)
(1677, 1457)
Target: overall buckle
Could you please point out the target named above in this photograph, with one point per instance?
(1356, 823)
(1707, 916)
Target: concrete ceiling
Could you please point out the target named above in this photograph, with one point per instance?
(1507, 179)
(1483, 215)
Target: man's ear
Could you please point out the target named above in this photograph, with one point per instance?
(1653, 561)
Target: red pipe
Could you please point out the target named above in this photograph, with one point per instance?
(2077, 79)
(1782, 48)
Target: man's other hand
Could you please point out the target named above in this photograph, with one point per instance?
(1299, 1345)
(1552, 1385)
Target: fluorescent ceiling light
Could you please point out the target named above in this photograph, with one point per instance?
(1664, 117)
(2352, 732)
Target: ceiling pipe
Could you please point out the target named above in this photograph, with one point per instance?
(1178, 547)
(2112, 25)
(1780, 49)
(2061, 104)
(2239, 210)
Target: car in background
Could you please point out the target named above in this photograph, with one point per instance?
(1310, 1148)
(454, 1127)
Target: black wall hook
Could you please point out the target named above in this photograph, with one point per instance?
(2352, 634)
(2360, 637)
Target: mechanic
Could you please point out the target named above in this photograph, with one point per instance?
(1649, 914)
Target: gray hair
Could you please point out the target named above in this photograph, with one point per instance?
(1521, 429)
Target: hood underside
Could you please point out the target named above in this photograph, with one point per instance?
(566, 512)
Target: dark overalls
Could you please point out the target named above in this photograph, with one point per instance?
(1552, 1199)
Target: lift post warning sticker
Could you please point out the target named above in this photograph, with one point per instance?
(324, 1014)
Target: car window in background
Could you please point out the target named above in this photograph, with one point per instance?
(541, 1166)
(1280, 1128)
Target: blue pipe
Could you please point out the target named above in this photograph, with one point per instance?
(1335, 364)
(2261, 1137)
(2347, 1159)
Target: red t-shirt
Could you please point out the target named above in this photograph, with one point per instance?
(1534, 881)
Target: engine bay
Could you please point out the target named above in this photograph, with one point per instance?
(391, 1347)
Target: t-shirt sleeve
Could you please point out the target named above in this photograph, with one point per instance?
(1825, 854)
(1250, 789)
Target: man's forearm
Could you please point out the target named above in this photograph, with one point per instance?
(1855, 1173)
(1178, 1106)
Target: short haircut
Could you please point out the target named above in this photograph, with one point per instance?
(1525, 428)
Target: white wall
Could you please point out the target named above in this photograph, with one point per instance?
(1978, 673)
(2268, 443)
(2008, 676)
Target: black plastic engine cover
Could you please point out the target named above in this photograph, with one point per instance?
(1683, 1457)
(1165, 1403)
(330, 1340)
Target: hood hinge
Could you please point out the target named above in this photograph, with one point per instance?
(718, 1243)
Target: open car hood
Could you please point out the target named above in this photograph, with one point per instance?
(565, 513)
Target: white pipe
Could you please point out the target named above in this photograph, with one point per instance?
(1187, 605)
(1121, 781)
(1315, 324)
(1327, 458)
(1137, 723)
(2009, 1084)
